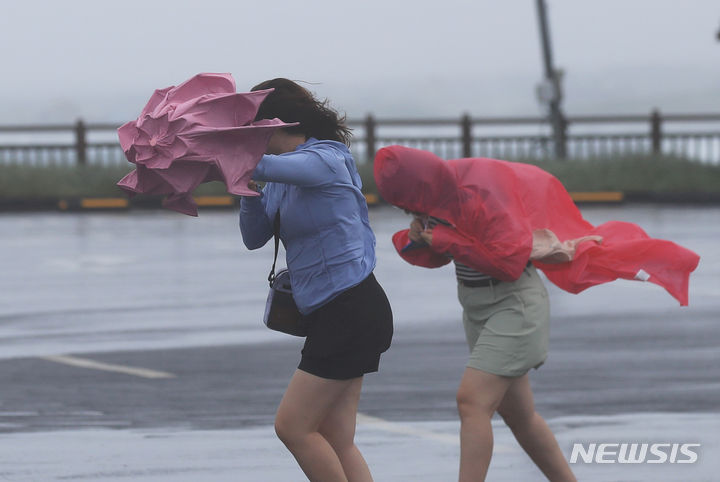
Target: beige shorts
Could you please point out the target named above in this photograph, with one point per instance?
(507, 325)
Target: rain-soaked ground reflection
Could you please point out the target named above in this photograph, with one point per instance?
(144, 279)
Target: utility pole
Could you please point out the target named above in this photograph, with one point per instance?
(554, 96)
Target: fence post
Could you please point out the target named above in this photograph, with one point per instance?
(80, 142)
(656, 131)
(561, 136)
(466, 128)
(370, 137)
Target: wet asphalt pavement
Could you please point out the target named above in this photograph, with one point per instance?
(182, 296)
(238, 386)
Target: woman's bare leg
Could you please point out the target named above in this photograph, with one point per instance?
(338, 428)
(478, 397)
(307, 402)
(532, 432)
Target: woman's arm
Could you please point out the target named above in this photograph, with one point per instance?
(301, 168)
(255, 226)
(504, 261)
(417, 254)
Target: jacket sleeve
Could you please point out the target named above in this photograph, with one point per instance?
(504, 261)
(255, 226)
(301, 168)
(420, 256)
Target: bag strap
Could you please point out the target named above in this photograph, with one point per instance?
(276, 234)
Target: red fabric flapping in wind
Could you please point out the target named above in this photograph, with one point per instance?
(494, 206)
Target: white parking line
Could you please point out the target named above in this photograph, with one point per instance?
(394, 427)
(406, 429)
(108, 367)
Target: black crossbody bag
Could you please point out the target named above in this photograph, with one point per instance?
(281, 311)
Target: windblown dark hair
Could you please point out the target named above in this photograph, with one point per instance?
(290, 102)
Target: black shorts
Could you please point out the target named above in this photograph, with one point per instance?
(347, 335)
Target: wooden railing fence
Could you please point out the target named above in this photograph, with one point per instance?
(691, 136)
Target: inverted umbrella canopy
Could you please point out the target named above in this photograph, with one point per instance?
(200, 131)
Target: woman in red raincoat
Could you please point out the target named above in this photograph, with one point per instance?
(498, 221)
(507, 326)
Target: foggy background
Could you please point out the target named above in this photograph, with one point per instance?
(101, 60)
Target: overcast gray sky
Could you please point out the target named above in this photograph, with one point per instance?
(102, 59)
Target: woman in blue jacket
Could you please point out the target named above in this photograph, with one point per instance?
(313, 183)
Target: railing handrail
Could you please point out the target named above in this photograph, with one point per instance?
(37, 128)
(417, 122)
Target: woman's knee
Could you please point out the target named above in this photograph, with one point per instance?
(282, 431)
(470, 403)
(480, 393)
(287, 431)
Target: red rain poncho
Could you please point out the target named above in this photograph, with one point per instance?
(496, 206)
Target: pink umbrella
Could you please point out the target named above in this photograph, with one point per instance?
(200, 131)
